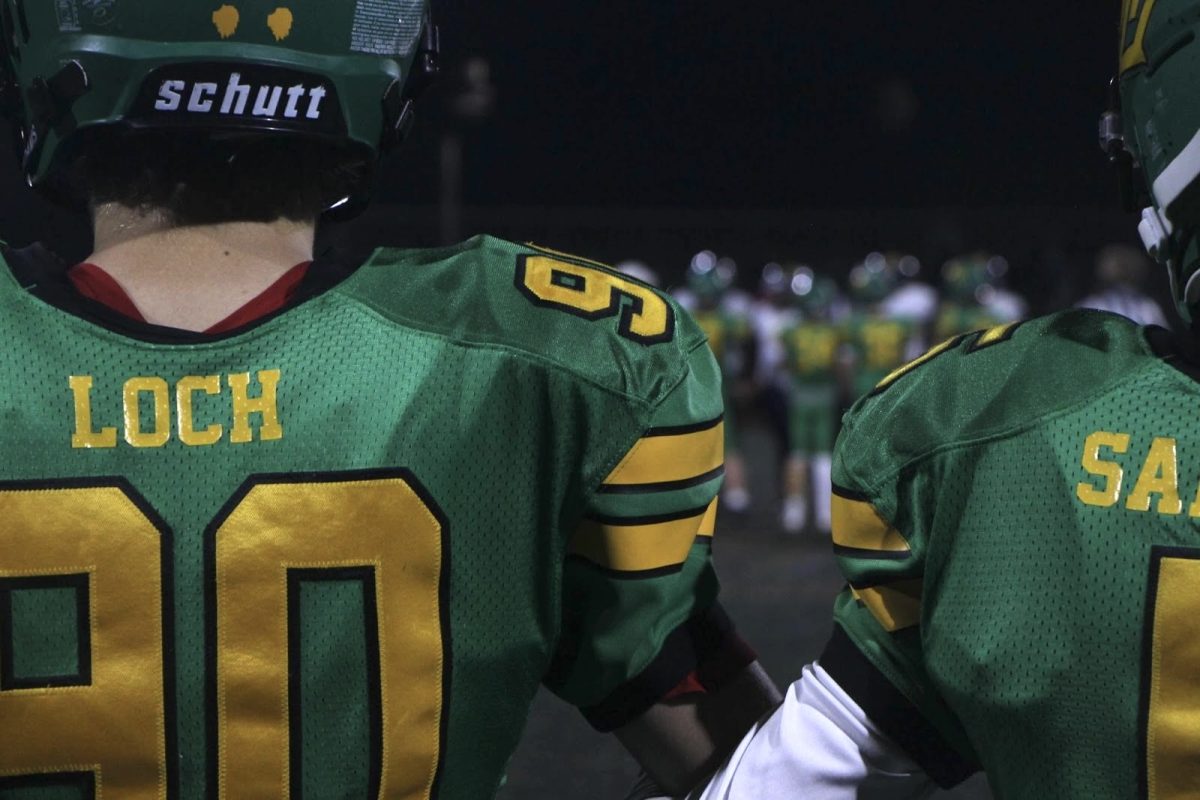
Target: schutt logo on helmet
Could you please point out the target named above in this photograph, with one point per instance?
(249, 96)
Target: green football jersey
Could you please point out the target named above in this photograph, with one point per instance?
(812, 352)
(727, 335)
(335, 553)
(880, 345)
(1016, 515)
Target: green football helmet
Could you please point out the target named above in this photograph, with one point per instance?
(967, 278)
(813, 294)
(342, 72)
(709, 276)
(1154, 128)
(874, 279)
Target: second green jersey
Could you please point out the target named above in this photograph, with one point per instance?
(1016, 514)
(335, 553)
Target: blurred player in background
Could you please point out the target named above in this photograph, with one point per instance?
(914, 299)
(1016, 516)
(710, 282)
(640, 270)
(876, 343)
(812, 347)
(1120, 275)
(972, 296)
(773, 312)
(278, 522)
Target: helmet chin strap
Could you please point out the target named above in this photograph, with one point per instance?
(1156, 229)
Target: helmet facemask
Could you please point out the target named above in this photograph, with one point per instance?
(1155, 133)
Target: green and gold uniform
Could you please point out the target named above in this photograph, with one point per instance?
(333, 554)
(727, 335)
(954, 319)
(1016, 515)
(880, 345)
(812, 352)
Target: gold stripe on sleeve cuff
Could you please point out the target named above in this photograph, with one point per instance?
(665, 456)
(639, 545)
(896, 606)
(858, 526)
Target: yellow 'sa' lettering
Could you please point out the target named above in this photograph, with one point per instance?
(1159, 476)
(85, 437)
(1110, 471)
(264, 405)
(1135, 18)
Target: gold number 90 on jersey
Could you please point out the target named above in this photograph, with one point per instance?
(595, 293)
(96, 708)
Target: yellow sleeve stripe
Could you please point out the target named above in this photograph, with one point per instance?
(896, 606)
(643, 544)
(857, 526)
(672, 456)
(995, 335)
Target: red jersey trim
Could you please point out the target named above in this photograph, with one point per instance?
(94, 283)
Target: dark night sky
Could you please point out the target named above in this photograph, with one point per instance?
(816, 130)
(771, 104)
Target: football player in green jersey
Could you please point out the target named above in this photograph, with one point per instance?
(877, 343)
(966, 282)
(281, 525)
(709, 278)
(1016, 514)
(812, 347)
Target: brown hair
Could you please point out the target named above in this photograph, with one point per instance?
(198, 179)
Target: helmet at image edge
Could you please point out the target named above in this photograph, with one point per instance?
(343, 72)
(1155, 130)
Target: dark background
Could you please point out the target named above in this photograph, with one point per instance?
(769, 130)
(783, 131)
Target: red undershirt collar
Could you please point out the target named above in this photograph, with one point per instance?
(94, 283)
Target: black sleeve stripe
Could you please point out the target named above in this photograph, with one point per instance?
(894, 713)
(851, 494)
(665, 486)
(640, 574)
(706, 644)
(655, 519)
(874, 555)
(683, 430)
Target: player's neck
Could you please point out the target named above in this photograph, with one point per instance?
(193, 277)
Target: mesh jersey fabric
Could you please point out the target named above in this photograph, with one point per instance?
(334, 553)
(1015, 514)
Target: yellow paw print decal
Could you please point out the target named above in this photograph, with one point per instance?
(226, 18)
(280, 23)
